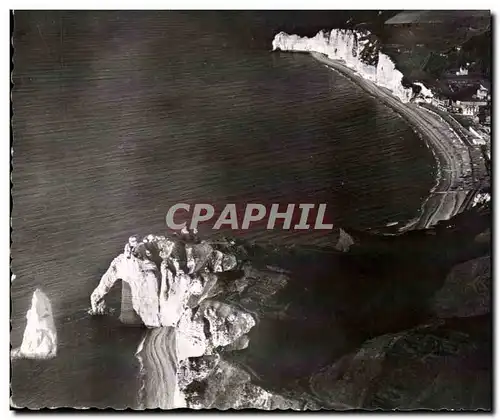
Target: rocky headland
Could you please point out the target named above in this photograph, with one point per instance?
(375, 321)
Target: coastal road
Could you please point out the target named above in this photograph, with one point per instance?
(453, 156)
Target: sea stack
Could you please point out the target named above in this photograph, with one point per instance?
(40, 337)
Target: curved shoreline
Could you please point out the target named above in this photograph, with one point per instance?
(447, 197)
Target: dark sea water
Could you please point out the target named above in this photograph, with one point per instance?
(118, 116)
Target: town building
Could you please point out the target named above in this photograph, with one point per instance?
(469, 108)
(483, 92)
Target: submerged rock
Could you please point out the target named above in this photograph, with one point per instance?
(40, 336)
(344, 242)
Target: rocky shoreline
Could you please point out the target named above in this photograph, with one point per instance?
(236, 325)
(303, 329)
(187, 300)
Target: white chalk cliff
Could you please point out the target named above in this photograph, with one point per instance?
(160, 297)
(356, 50)
(40, 337)
(142, 277)
(425, 93)
(172, 287)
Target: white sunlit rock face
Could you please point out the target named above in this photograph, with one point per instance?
(181, 297)
(40, 336)
(160, 298)
(355, 50)
(176, 301)
(425, 93)
(176, 290)
(142, 277)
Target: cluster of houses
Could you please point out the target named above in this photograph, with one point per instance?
(460, 92)
(476, 109)
(477, 106)
(472, 107)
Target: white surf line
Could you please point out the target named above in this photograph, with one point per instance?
(416, 117)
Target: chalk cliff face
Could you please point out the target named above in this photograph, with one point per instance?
(206, 304)
(357, 49)
(207, 334)
(268, 327)
(142, 277)
(40, 337)
(210, 326)
(159, 297)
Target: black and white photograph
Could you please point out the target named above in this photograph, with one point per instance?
(251, 210)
